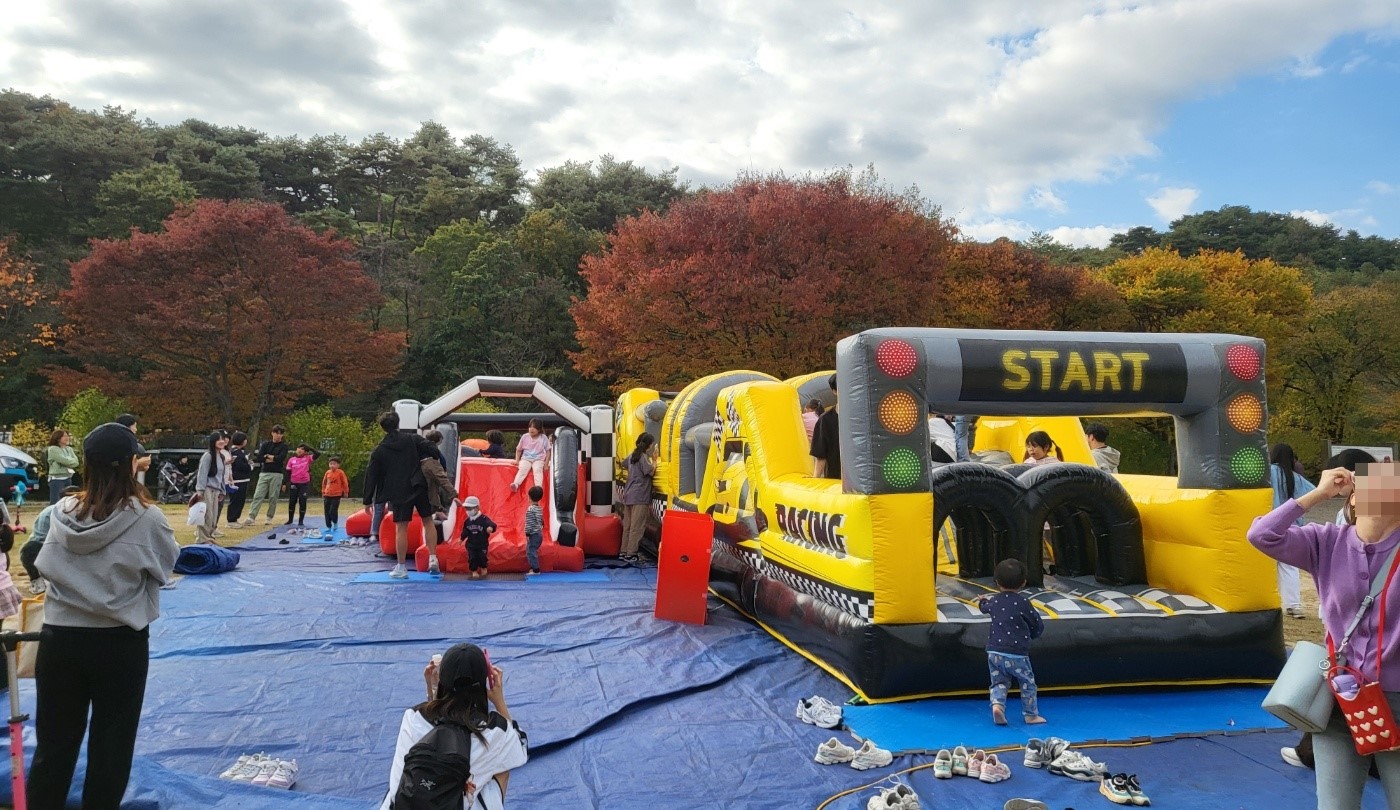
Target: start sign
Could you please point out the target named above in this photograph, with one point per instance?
(1071, 371)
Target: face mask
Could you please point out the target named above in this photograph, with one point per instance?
(473, 512)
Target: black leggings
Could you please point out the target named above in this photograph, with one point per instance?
(332, 507)
(296, 499)
(78, 668)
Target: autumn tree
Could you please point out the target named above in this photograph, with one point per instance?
(234, 311)
(23, 334)
(1003, 285)
(767, 274)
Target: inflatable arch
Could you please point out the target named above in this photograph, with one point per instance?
(579, 508)
(1142, 580)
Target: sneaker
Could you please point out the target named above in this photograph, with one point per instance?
(433, 564)
(1024, 804)
(975, 762)
(960, 761)
(943, 764)
(1115, 789)
(899, 797)
(1135, 790)
(37, 586)
(994, 770)
(908, 799)
(217, 533)
(1040, 753)
(266, 770)
(533, 572)
(285, 776)
(868, 756)
(1290, 755)
(245, 768)
(833, 751)
(399, 572)
(1078, 767)
(819, 712)
(1296, 613)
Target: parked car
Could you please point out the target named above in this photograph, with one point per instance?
(16, 462)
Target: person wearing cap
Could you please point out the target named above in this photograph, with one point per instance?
(108, 551)
(272, 455)
(464, 688)
(143, 459)
(476, 534)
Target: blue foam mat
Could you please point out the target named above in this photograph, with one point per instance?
(568, 577)
(1115, 716)
(624, 711)
(414, 578)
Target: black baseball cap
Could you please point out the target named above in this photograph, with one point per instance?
(127, 420)
(463, 666)
(110, 444)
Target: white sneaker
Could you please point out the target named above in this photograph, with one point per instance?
(267, 769)
(960, 761)
(1290, 755)
(819, 712)
(37, 586)
(399, 572)
(834, 751)
(285, 776)
(943, 764)
(245, 768)
(433, 564)
(1040, 753)
(899, 797)
(1078, 767)
(994, 770)
(868, 756)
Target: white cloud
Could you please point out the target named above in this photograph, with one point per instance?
(1380, 187)
(1045, 200)
(1315, 217)
(985, 106)
(1095, 236)
(1172, 203)
(986, 230)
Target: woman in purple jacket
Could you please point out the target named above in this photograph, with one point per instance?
(1343, 561)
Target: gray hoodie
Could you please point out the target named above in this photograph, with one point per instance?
(108, 573)
(1106, 458)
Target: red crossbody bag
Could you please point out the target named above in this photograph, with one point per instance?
(1366, 711)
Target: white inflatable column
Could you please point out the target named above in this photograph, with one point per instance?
(599, 450)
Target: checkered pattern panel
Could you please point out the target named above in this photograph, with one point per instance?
(857, 603)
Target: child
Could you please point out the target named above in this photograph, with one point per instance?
(299, 483)
(476, 534)
(30, 550)
(496, 445)
(534, 529)
(1014, 623)
(1038, 447)
(334, 486)
(531, 455)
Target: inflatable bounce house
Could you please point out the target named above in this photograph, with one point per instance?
(1141, 579)
(578, 482)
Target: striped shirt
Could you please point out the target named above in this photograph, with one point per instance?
(534, 519)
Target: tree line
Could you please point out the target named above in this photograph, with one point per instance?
(218, 275)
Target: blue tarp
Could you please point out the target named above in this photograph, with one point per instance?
(202, 559)
(623, 711)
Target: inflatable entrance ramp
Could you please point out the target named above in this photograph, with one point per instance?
(1141, 579)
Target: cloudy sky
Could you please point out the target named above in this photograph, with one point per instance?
(1076, 117)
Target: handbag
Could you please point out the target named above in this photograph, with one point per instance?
(1301, 697)
(1364, 708)
(31, 620)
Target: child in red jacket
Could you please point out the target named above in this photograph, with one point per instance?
(334, 486)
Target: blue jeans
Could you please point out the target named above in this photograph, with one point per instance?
(1004, 669)
(533, 541)
(962, 436)
(376, 517)
(56, 487)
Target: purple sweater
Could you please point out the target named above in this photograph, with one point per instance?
(1343, 568)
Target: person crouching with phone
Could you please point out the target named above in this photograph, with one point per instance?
(464, 689)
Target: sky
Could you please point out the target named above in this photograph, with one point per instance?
(1078, 118)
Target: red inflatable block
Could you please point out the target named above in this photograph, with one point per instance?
(554, 557)
(386, 535)
(358, 524)
(683, 566)
(600, 535)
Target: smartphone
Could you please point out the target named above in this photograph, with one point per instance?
(490, 675)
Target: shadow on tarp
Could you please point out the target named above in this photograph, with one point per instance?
(623, 711)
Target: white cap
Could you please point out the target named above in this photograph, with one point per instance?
(472, 502)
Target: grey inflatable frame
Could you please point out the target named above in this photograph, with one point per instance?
(956, 371)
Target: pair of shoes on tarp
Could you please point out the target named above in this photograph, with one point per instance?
(867, 756)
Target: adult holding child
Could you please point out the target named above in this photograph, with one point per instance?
(62, 463)
(1345, 561)
(108, 551)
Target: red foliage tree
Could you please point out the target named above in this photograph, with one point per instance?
(767, 275)
(234, 311)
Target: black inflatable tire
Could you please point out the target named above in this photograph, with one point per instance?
(1015, 470)
(987, 507)
(565, 480)
(1100, 530)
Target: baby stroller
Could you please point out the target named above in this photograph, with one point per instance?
(175, 486)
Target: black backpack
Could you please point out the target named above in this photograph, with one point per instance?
(436, 770)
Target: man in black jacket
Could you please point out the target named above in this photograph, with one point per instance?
(394, 477)
(272, 455)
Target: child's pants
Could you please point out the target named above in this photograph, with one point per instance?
(1006, 668)
(533, 541)
(476, 556)
(296, 499)
(526, 465)
(332, 509)
(1289, 588)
